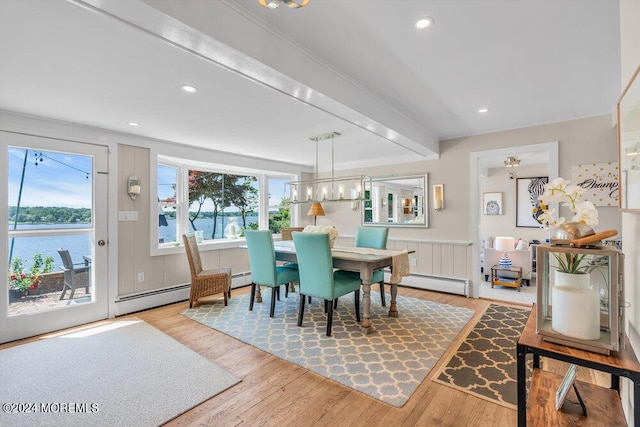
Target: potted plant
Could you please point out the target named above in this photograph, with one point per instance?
(21, 282)
(585, 215)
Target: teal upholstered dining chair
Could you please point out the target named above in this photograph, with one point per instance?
(376, 238)
(317, 278)
(264, 271)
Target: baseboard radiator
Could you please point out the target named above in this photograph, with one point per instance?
(437, 283)
(139, 301)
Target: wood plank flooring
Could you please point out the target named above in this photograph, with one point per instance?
(274, 392)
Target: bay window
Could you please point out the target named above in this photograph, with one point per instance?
(213, 202)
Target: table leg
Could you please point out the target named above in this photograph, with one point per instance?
(292, 287)
(366, 308)
(522, 385)
(258, 296)
(393, 306)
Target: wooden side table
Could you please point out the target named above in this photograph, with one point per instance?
(603, 405)
(511, 277)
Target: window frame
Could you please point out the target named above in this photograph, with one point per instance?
(182, 206)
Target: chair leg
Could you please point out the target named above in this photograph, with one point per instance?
(384, 304)
(275, 290)
(73, 291)
(286, 290)
(226, 300)
(356, 298)
(326, 304)
(329, 318)
(301, 310)
(335, 304)
(309, 300)
(253, 295)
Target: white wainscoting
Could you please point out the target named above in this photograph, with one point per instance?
(438, 265)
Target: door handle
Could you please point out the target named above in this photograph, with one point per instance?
(101, 243)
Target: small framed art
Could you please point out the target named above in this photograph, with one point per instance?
(492, 203)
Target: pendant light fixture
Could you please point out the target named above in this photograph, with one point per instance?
(511, 162)
(320, 190)
(293, 4)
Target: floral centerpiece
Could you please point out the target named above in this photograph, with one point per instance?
(576, 304)
(332, 231)
(584, 212)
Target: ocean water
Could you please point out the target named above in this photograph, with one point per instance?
(79, 245)
(206, 225)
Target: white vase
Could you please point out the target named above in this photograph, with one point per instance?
(576, 307)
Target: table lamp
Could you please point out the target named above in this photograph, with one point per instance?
(505, 244)
(316, 210)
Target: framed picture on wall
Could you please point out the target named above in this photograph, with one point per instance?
(492, 204)
(528, 191)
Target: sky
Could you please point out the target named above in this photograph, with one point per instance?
(58, 180)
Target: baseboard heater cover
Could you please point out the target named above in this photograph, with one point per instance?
(450, 285)
(154, 298)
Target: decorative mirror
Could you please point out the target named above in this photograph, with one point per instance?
(396, 201)
(629, 146)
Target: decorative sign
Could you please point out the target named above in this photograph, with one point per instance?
(600, 180)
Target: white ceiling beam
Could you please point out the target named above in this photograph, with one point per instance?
(313, 83)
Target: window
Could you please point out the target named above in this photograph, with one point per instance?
(212, 202)
(279, 212)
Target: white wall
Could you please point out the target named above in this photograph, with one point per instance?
(498, 180)
(590, 140)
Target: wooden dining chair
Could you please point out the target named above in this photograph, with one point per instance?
(264, 271)
(375, 238)
(285, 232)
(205, 282)
(317, 277)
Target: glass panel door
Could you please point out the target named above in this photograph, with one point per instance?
(53, 218)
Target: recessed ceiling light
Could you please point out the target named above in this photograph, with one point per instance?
(189, 88)
(133, 124)
(483, 110)
(424, 23)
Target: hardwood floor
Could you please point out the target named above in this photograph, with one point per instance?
(275, 392)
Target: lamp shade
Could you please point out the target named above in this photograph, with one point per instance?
(316, 210)
(505, 244)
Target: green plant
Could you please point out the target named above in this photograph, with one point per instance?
(571, 263)
(24, 281)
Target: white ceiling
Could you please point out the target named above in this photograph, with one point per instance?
(357, 67)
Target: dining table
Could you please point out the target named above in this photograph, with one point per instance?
(361, 260)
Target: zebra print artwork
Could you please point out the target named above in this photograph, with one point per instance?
(528, 208)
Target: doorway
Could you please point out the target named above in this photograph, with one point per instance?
(55, 256)
(480, 164)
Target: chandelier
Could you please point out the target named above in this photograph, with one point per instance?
(293, 4)
(511, 162)
(342, 189)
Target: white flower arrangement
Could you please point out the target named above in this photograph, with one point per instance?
(333, 232)
(560, 190)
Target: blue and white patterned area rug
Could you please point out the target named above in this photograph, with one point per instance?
(388, 364)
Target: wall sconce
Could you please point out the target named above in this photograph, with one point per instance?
(133, 187)
(438, 197)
